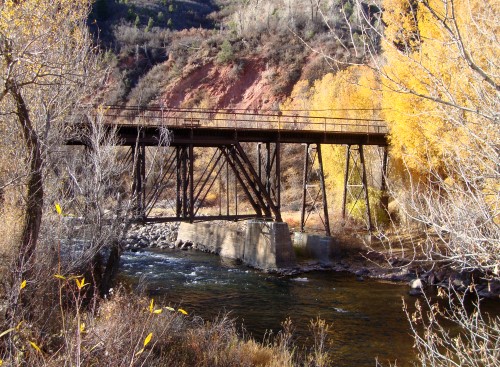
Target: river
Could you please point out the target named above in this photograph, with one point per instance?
(366, 317)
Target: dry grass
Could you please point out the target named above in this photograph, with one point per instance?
(116, 333)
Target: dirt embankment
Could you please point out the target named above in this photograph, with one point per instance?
(245, 85)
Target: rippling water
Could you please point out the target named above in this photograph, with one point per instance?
(366, 317)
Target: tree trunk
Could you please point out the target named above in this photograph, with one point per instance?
(34, 190)
(111, 269)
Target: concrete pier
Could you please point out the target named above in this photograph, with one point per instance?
(264, 245)
(320, 248)
(268, 245)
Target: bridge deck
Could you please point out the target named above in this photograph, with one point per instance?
(216, 127)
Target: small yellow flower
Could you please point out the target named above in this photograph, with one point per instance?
(58, 209)
(82, 327)
(23, 284)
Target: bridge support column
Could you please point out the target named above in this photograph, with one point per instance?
(184, 182)
(271, 165)
(312, 192)
(353, 188)
(384, 199)
(139, 180)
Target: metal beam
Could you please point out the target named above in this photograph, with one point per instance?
(264, 193)
(304, 186)
(323, 189)
(365, 188)
(233, 166)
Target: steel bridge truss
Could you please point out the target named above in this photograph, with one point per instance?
(356, 185)
(229, 166)
(230, 170)
(314, 196)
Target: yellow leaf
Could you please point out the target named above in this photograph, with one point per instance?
(59, 276)
(58, 209)
(23, 284)
(158, 311)
(81, 283)
(82, 327)
(36, 347)
(148, 339)
(170, 309)
(151, 305)
(1, 362)
(139, 352)
(7, 331)
(182, 311)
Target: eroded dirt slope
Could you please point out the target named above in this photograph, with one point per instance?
(247, 85)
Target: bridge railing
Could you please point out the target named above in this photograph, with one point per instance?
(238, 119)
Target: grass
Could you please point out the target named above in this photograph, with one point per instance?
(128, 330)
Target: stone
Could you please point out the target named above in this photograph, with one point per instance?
(416, 284)
(268, 245)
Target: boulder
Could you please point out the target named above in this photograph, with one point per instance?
(416, 284)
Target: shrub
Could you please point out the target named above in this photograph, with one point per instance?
(226, 54)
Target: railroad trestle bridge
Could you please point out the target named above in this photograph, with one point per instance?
(246, 146)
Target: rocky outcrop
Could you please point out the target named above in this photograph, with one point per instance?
(161, 235)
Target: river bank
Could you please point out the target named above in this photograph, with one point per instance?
(356, 257)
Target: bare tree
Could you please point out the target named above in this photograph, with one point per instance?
(48, 66)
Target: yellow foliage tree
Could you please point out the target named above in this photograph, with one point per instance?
(443, 85)
(299, 99)
(348, 95)
(441, 97)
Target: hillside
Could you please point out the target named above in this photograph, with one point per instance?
(214, 53)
